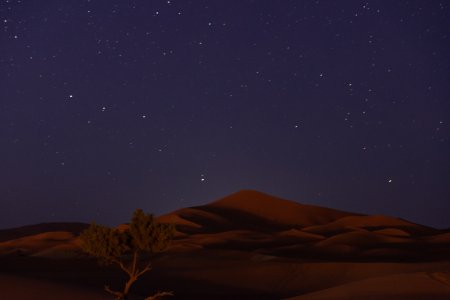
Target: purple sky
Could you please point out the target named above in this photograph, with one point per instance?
(109, 105)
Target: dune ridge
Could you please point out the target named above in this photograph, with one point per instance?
(250, 245)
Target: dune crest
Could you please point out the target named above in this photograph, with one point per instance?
(251, 245)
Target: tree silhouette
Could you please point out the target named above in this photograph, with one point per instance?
(129, 248)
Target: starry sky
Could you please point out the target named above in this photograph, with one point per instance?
(111, 105)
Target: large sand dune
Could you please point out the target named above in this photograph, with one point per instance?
(246, 246)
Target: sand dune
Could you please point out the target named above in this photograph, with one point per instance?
(278, 210)
(296, 230)
(246, 246)
(443, 238)
(362, 238)
(350, 223)
(15, 233)
(392, 232)
(58, 241)
(19, 288)
(257, 222)
(410, 286)
(300, 235)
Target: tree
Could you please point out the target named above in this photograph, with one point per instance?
(129, 248)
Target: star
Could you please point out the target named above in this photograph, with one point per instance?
(191, 88)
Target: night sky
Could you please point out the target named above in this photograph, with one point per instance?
(108, 105)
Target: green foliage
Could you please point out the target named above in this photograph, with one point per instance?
(147, 235)
(144, 234)
(106, 244)
(124, 247)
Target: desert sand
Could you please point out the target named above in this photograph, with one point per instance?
(248, 245)
(13, 287)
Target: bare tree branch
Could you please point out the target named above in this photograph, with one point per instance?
(117, 295)
(122, 266)
(133, 268)
(146, 269)
(124, 247)
(159, 295)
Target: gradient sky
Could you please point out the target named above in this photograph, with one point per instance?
(109, 105)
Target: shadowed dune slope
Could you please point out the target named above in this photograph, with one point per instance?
(370, 223)
(280, 227)
(15, 233)
(49, 244)
(251, 210)
(409, 286)
(18, 288)
(278, 210)
(248, 245)
(251, 221)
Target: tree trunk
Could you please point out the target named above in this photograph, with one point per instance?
(128, 285)
(132, 275)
